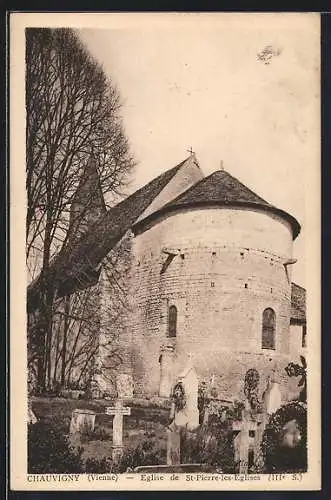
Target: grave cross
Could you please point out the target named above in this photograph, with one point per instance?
(242, 442)
(262, 420)
(173, 445)
(249, 438)
(118, 411)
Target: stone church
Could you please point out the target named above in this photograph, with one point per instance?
(208, 282)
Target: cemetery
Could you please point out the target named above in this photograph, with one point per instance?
(192, 431)
(189, 363)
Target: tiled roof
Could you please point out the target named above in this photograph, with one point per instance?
(76, 262)
(298, 304)
(221, 188)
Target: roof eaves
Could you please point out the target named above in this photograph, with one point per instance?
(173, 207)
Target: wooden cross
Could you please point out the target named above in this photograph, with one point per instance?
(118, 411)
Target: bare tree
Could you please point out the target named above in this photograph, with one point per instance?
(73, 123)
(77, 323)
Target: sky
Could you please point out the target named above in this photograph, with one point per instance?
(198, 81)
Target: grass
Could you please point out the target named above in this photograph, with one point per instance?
(144, 423)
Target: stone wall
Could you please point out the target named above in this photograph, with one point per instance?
(227, 269)
(114, 353)
(296, 334)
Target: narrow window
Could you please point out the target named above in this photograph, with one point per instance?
(172, 321)
(268, 328)
(304, 335)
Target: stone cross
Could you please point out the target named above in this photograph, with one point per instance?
(173, 438)
(118, 411)
(173, 445)
(242, 442)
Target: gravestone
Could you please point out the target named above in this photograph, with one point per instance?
(213, 391)
(82, 421)
(251, 430)
(95, 391)
(272, 398)
(124, 386)
(188, 417)
(173, 446)
(118, 410)
(184, 413)
(271, 402)
(166, 370)
(245, 430)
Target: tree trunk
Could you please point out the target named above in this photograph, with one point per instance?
(65, 336)
(56, 354)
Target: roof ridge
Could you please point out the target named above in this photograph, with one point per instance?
(187, 190)
(118, 218)
(172, 169)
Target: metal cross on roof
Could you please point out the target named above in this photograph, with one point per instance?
(191, 151)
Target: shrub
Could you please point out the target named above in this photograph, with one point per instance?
(278, 457)
(49, 450)
(146, 453)
(211, 445)
(98, 466)
(98, 434)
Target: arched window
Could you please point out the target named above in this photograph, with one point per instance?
(304, 336)
(268, 328)
(172, 321)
